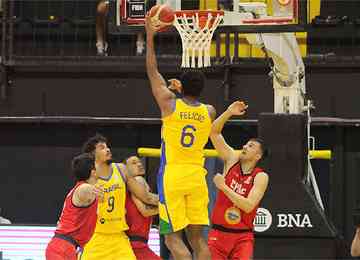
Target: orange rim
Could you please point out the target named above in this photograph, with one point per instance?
(201, 13)
(284, 2)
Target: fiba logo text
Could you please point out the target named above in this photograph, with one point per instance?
(263, 220)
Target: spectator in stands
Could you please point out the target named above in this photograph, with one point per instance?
(225, 5)
(140, 44)
(102, 10)
(3, 220)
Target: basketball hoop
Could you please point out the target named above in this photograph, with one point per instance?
(196, 28)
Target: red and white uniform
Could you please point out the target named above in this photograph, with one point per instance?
(138, 232)
(76, 224)
(231, 224)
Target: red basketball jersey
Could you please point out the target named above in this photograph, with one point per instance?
(138, 224)
(225, 213)
(77, 222)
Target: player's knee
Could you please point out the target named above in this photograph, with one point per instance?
(102, 8)
(175, 244)
(199, 244)
(170, 241)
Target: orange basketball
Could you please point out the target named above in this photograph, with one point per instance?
(162, 16)
(203, 20)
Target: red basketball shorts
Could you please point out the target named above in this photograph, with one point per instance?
(234, 246)
(143, 252)
(59, 249)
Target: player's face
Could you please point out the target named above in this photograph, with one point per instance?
(135, 166)
(251, 151)
(102, 153)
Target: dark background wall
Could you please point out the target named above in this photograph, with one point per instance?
(121, 93)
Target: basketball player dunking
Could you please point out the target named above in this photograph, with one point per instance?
(185, 131)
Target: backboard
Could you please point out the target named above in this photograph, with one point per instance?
(242, 15)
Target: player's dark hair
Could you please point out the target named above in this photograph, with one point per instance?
(192, 82)
(263, 148)
(82, 165)
(90, 145)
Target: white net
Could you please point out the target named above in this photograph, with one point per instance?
(196, 30)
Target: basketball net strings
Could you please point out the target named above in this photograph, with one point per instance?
(195, 39)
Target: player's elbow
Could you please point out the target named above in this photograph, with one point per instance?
(214, 131)
(148, 213)
(215, 139)
(149, 199)
(355, 251)
(247, 210)
(144, 212)
(246, 207)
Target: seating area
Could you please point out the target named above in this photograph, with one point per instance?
(53, 29)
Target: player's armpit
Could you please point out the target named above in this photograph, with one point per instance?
(355, 245)
(212, 112)
(159, 88)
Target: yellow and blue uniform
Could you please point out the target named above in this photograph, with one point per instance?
(109, 241)
(182, 185)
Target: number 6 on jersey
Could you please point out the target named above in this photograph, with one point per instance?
(187, 136)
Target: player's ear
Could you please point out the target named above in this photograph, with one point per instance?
(93, 173)
(258, 156)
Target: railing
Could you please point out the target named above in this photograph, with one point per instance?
(63, 32)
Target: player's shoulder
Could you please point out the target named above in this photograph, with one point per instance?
(83, 191)
(120, 169)
(262, 175)
(211, 110)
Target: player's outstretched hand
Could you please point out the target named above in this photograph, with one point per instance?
(149, 26)
(238, 108)
(99, 192)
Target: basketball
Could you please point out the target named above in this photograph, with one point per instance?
(162, 17)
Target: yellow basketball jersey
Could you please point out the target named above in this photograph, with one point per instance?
(111, 210)
(185, 133)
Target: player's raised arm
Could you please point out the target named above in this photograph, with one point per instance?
(226, 152)
(164, 97)
(212, 112)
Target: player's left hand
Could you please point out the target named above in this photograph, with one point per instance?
(238, 108)
(219, 181)
(99, 192)
(150, 28)
(175, 85)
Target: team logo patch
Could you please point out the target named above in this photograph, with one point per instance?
(232, 215)
(102, 220)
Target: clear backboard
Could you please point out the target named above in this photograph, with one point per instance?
(246, 15)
